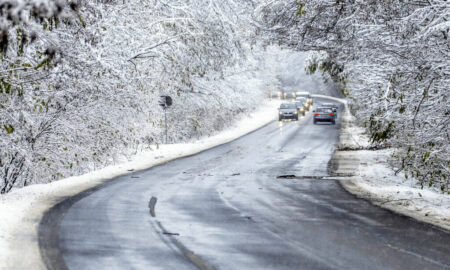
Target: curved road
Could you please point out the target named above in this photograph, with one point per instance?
(225, 209)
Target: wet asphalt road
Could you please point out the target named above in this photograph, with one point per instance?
(225, 209)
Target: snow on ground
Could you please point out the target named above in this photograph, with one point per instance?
(21, 210)
(376, 181)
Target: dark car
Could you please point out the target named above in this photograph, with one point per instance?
(300, 107)
(306, 104)
(324, 114)
(306, 95)
(287, 111)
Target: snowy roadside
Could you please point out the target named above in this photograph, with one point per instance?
(368, 175)
(22, 209)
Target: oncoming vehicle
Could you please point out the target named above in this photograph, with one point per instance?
(306, 95)
(288, 94)
(305, 102)
(275, 94)
(323, 114)
(300, 107)
(287, 111)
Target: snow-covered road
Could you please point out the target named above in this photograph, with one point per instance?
(225, 208)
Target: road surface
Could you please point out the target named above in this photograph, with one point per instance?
(225, 208)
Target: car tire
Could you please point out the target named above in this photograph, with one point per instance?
(333, 122)
(314, 122)
(279, 118)
(296, 118)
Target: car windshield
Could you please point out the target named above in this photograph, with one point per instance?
(301, 99)
(324, 110)
(287, 106)
(327, 104)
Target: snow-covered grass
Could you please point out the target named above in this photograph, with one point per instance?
(22, 209)
(375, 180)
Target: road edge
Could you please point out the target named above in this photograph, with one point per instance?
(348, 165)
(22, 243)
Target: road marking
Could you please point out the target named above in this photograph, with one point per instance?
(416, 255)
(194, 259)
(199, 263)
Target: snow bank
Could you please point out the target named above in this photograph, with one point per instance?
(372, 178)
(21, 210)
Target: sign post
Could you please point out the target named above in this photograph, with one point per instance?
(165, 102)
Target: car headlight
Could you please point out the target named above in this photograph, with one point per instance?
(281, 113)
(302, 110)
(295, 112)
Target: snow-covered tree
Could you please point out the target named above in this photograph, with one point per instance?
(391, 58)
(81, 80)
